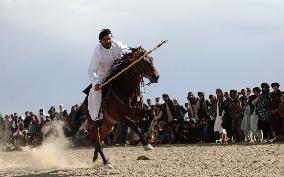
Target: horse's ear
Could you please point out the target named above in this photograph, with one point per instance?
(140, 48)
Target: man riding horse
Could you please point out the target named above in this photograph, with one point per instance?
(119, 103)
(104, 55)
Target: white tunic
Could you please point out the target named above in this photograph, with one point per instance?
(102, 60)
(218, 121)
(99, 68)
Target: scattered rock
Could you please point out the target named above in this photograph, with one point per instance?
(143, 158)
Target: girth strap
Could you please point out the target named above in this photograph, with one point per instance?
(103, 109)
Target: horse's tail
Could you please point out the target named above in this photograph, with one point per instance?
(76, 123)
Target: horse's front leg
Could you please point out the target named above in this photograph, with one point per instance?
(99, 150)
(96, 154)
(147, 146)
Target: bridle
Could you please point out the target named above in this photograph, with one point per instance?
(139, 71)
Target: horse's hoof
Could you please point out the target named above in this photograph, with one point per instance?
(95, 158)
(148, 147)
(108, 165)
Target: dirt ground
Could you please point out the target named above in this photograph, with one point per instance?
(175, 160)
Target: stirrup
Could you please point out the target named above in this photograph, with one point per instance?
(148, 147)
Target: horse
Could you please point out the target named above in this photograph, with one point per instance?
(121, 100)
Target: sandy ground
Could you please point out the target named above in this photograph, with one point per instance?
(176, 160)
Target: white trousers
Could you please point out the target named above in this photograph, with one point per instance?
(217, 124)
(94, 103)
(254, 126)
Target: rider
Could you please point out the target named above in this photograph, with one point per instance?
(105, 53)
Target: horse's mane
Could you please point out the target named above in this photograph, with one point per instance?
(121, 63)
(126, 59)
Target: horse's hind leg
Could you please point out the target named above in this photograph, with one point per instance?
(135, 128)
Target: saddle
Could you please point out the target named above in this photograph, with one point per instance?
(103, 108)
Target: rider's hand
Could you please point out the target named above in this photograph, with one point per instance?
(98, 87)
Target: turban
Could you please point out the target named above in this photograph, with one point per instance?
(233, 91)
(256, 89)
(165, 96)
(264, 85)
(200, 93)
(275, 84)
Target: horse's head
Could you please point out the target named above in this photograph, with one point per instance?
(145, 67)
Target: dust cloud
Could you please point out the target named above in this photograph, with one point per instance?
(50, 154)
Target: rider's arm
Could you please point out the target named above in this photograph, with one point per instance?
(123, 48)
(93, 67)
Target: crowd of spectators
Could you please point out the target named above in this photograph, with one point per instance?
(18, 130)
(250, 116)
(247, 116)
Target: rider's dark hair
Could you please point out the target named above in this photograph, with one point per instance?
(103, 33)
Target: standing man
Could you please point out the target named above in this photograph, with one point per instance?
(168, 109)
(263, 108)
(192, 101)
(202, 108)
(276, 120)
(105, 53)
(149, 106)
(219, 114)
(157, 105)
(63, 114)
(229, 111)
(2, 122)
(254, 118)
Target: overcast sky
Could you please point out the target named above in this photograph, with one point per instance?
(46, 46)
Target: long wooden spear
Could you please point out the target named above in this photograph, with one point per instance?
(136, 61)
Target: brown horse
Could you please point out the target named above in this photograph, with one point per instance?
(121, 101)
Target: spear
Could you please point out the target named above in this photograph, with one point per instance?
(136, 61)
